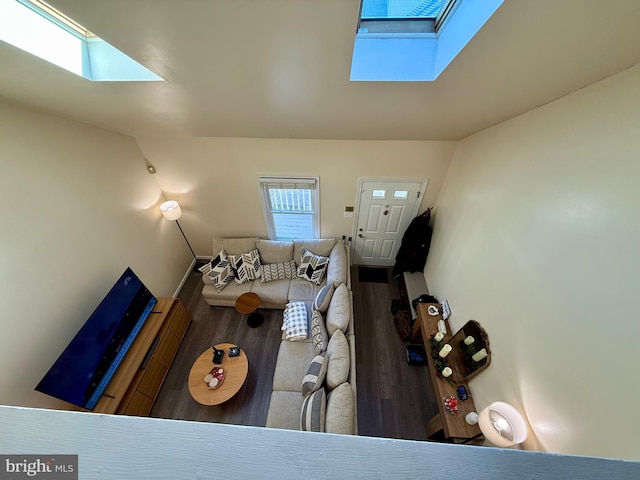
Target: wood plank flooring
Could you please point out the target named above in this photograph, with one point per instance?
(394, 399)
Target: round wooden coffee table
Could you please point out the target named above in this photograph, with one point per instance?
(247, 304)
(235, 370)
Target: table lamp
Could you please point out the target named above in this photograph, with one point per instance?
(501, 424)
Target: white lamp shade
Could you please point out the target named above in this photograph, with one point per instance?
(171, 210)
(502, 425)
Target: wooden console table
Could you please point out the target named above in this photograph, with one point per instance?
(136, 383)
(453, 426)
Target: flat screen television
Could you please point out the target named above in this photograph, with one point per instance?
(85, 367)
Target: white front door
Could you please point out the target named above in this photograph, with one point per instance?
(385, 210)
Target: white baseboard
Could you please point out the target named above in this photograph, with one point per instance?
(187, 273)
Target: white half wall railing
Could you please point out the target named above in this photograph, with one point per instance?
(119, 447)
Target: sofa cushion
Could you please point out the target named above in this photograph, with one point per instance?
(339, 310)
(339, 361)
(312, 267)
(228, 296)
(278, 271)
(312, 413)
(291, 365)
(338, 265)
(272, 294)
(284, 410)
(234, 246)
(295, 321)
(302, 290)
(246, 266)
(323, 298)
(316, 372)
(220, 273)
(275, 251)
(319, 332)
(320, 246)
(340, 410)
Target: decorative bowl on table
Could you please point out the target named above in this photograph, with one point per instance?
(451, 405)
(214, 378)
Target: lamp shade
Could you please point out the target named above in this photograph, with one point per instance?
(502, 425)
(171, 210)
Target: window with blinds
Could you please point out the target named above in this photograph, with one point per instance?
(291, 207)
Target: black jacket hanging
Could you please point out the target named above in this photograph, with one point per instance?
(414, 248)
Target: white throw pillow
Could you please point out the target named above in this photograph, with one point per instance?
(339, 360)
(339, 310)
(340, 410)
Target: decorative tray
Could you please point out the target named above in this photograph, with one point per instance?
(214, 378)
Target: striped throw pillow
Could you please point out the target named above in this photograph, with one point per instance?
(316, 372)
(313, 412)
(278, 271)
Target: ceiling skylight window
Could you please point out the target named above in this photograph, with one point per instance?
(403, 16)
(414, 40)
(43, 31)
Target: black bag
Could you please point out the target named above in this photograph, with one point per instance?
(424, 298)
(404, 324)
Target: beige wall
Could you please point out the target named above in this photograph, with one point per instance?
(537, 236)
(78, 208)
(216, 179)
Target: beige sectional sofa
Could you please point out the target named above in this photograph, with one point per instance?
(294, 357)
(278, 293)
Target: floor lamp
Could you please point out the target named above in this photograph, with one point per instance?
(171, 211)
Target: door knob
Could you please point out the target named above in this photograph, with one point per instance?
(360, 235)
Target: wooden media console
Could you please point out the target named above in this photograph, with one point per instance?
(136, 383)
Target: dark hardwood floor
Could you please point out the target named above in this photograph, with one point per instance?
(394, 399)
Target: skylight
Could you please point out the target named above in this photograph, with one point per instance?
(43, 31)
(401, 8)
(403, 16)
(414, 40)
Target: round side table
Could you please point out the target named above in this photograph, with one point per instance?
(247, 304)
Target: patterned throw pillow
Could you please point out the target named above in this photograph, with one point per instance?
(220, 271)
(319, 332)
(278, 271)
(206, 268)
(246, 266)
(313, 412)
(312, 381)
(294, 323)
(312, 266)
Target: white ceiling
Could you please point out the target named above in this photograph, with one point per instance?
(280, 68)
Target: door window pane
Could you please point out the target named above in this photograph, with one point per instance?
(401, 194)
(378, 193)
